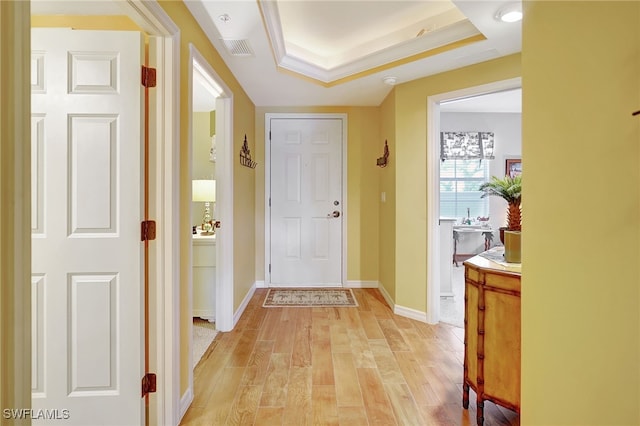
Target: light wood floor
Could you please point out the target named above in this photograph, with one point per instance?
(334, 366)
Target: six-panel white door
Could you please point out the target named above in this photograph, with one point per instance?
(87, 333)
(306, 202)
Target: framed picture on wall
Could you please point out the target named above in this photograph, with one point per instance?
(513, 167)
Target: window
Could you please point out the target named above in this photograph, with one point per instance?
(459, 193)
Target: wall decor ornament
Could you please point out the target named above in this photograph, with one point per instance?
(245, 155)
(466, 145)
(383, 161)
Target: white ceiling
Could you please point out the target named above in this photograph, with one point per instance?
(337, 52)
(333, 40)
(309, 52)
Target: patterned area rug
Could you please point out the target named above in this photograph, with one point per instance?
(299, 297)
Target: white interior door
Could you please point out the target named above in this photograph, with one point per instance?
(306, 202)
(87, 340)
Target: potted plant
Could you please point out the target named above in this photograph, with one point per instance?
(510, 189)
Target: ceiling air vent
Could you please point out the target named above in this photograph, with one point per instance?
(238, 47)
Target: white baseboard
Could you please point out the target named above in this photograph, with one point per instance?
(185, 402)
(243, 305)
(401, 310)
(410, 313)
(349, 284)
(362, 284)
(387, 297)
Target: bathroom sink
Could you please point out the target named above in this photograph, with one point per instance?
(467, 226)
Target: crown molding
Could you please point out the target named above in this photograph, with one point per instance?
(303, 62)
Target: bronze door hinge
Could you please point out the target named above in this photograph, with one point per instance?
(148, 230)
(148, 384)
(148, 77)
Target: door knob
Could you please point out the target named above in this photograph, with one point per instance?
(335, 213)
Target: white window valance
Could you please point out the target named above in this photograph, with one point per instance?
(466, 145)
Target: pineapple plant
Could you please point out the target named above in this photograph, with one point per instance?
(510, 189)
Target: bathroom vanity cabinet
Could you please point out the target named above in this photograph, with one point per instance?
(204, 277)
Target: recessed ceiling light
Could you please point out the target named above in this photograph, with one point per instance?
(510, 13)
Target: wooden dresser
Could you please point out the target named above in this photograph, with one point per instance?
(492, 333)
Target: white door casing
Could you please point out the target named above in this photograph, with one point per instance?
(224, 189)
(87, 294)
(305, 201)
(433, 183)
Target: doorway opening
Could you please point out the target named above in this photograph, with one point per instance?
(210, 170)
(204, 95)
(449, 112)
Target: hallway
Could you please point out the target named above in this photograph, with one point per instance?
(334, 366)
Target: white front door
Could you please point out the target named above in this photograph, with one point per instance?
(88, 327)
(306, 200)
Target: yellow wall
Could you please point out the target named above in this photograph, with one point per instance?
(363, 193)
(387, 240)
(84, 22)
(243, 178)
(410, 119)
(15, 210)
(581, 231)
(364, 145)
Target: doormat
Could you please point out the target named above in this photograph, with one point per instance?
(305, 297)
